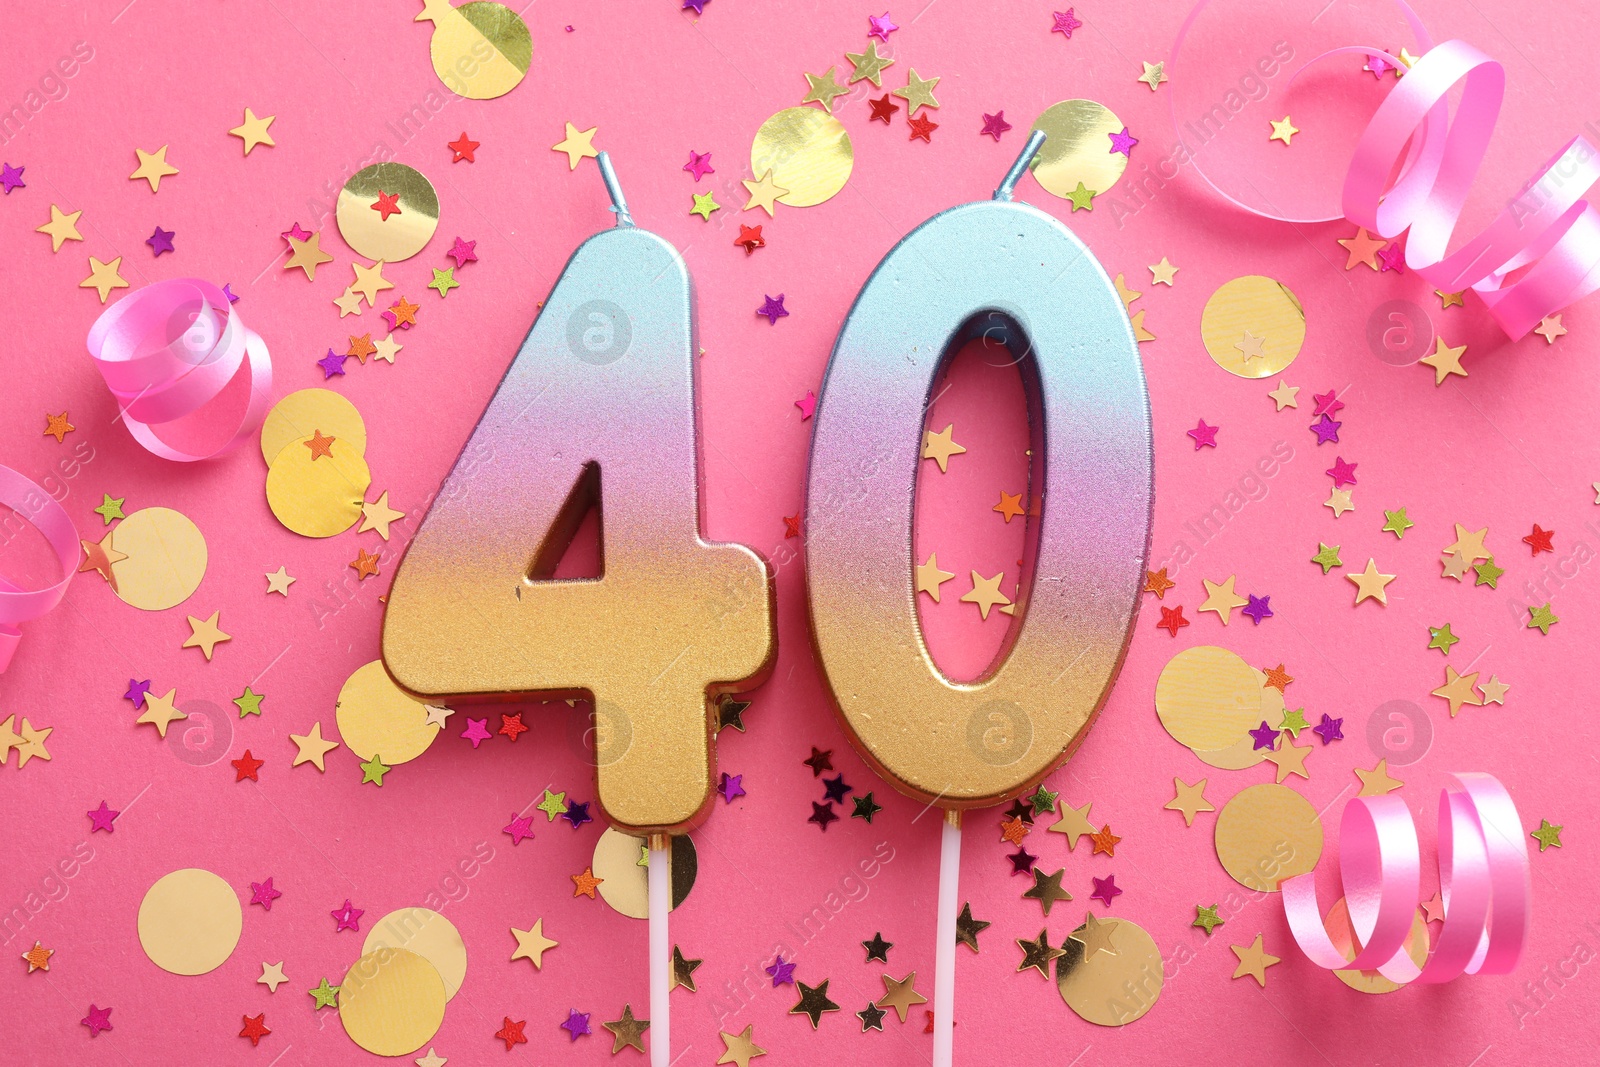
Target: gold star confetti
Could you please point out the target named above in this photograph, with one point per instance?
(349, 303)
(901, 996)
(1289, 758)
(205, 634)
(824, 87)
(1494, 690)
(968, 928)
(253, 131)
(1470, 544)
(532, 944)
(1046, 889)
(307, 255)
(32, 743)
(1140, 334)
(940, 446)
(311, 746)
(377, 515)
(764, 194)
(1094, 936)
(272, 976)
(1128, 295)
(1162, 273)
(1074, 822)
(985, 593)
(1221, 598)
(279, 581)
(153, 166)
(1251, 346)
(1154, 74)
(683, 970)
(1190, 801)
(930, 577)
(1370, 585)
(739, 1048)
(1458, 689)
(160, 712)
(369, 282)
(1339, 502)
(1254, 961)
(1378, 781)
(61, 228)
(1449, 299)
(1284, 395)
(1445, 361)
(1362, 248)
(1548, 835)
(627, 1031)
(1282, 130)
(1455, 565)
(385, 348)
(868, 64)
(577, 144)
(100, 557)
(917, 93)
(1038, 953)
(104, 277)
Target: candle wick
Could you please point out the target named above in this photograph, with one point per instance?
(619, 203)
(1008, 184)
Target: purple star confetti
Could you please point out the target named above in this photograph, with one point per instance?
(699, 8)
(1327, 430)
(577, 814)
(161, 241)
(773, 309)
(835, 789)
(1123, 142)
(782, 973)
(822, 814)
(11, 178)
(227, 291)
(1329, 729)
(577, 1024)
(1022, 861)
(136, 691)
(994, 125)
(262, 893)
(1264, 736)
(731, 785)
(1258, 608)
(331, 364)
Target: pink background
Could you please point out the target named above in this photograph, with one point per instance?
(1505, 448)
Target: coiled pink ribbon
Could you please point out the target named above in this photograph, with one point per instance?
(1554, 241)
(168, 349)
(17, 605)
(1483, 879)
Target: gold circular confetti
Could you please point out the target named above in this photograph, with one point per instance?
(1119, 982)
(626, 885)
(808, 152)
(1267, 833)
(429, 935)
(1253, 326)
(166, 558)
(189, 922)
(391, 1002)
(318, 495)
(378, 718)
(1343, 936)
(459, 57)
(387, 235)
(1077, 148)
(301, 414)
(1208, 697)
(1243, 752)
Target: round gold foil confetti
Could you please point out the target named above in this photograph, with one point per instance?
(429, 935)
(1115, 985)
(391, 1002)
(458, 51)
(301, 414)
(1243, 752)
(166, 558)
(377, 717)
(1253, 326)
(394, 235)
(318, 496)
(1077, 148)
(808, 152)
(189, 922)
(1343, 936)
(1208, 697)
(1267, 833)
(627, 883)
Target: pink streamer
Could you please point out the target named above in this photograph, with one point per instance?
(39, 509)
(168, 349)
(1548, 236)
(1483, 879)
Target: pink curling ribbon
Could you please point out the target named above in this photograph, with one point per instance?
(168, 349)
(1554, 242)
(1483, 879)
(17, 605)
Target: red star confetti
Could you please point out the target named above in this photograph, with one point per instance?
(512, 726)
(921, 127)
(883, 109)
(246, 766)
(387, 204)
(750, 239)
(1539, 540)
(1172, 620)
(255, 1028)
(462, 148)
